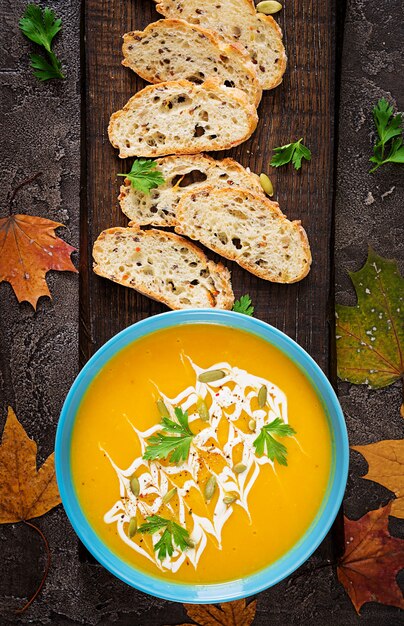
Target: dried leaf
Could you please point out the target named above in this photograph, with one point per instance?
(372, 560)
(370, 335)
(236, 613)
(25, 493)
(386, 466)
(29, 248)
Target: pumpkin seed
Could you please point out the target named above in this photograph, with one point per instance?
(252, 425)
(132, 529)
(262, 396)
(211, 376)
(162, 409)
(135, 486)
(210, 488)
(203, 410)
(266, 182)
(190, 543)
(269, 7)
(231, 497)
(169, 495)
(239, 468)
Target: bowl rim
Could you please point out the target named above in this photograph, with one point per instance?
(257, 581)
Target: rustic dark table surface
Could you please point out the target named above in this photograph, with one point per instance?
(341, 60)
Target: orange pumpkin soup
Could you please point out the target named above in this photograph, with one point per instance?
(200, 454)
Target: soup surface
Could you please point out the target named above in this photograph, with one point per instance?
(200, 454)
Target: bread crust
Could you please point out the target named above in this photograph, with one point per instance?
(222, 194)
(228, 48)
(223, 299)
(283, 59)
(213, 85)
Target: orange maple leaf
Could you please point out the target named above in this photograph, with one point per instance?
(236, 613)
(371, 560)
(29, 248)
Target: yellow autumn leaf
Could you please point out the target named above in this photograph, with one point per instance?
(236, 613)
(386, 467)
(25, 492)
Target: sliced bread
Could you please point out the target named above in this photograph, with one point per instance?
(181, 175)
(164, 267)
(238, 21)
(248, 229)
(179, 117)
(174, 49)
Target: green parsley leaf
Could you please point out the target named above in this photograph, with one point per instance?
(244, 305)
(396, 154)
(291, 152)
(43, 70)
(389, 127)
(41, 26)
(173, 536)
(173, 442)
(144, 175)
(275, 450)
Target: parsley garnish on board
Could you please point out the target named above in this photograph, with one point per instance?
(389, 129)
(292, 152)
(41, 26)
(244, 305)
(173, 535)
(173, 442)
(144, 175)
(276, 451)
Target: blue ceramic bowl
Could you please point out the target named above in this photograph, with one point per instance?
(218, 592)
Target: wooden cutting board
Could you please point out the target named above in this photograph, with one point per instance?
(302, 106)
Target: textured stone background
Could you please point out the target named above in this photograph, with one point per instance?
(41, 132)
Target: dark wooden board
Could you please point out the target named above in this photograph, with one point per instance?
(303, 106)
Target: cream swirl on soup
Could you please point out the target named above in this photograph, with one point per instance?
(223, 458)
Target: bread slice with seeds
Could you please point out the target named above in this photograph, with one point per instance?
(164, 267)
(248, 229)
(179, 117)
(182, 174)
(238, 21)
(174, 49)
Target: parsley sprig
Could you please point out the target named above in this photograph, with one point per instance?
(173, 536)
(291, 152)
(41, 26)
(275, 449)
(389, 129)
(244, 305)
(144, 175)
(173, 442)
